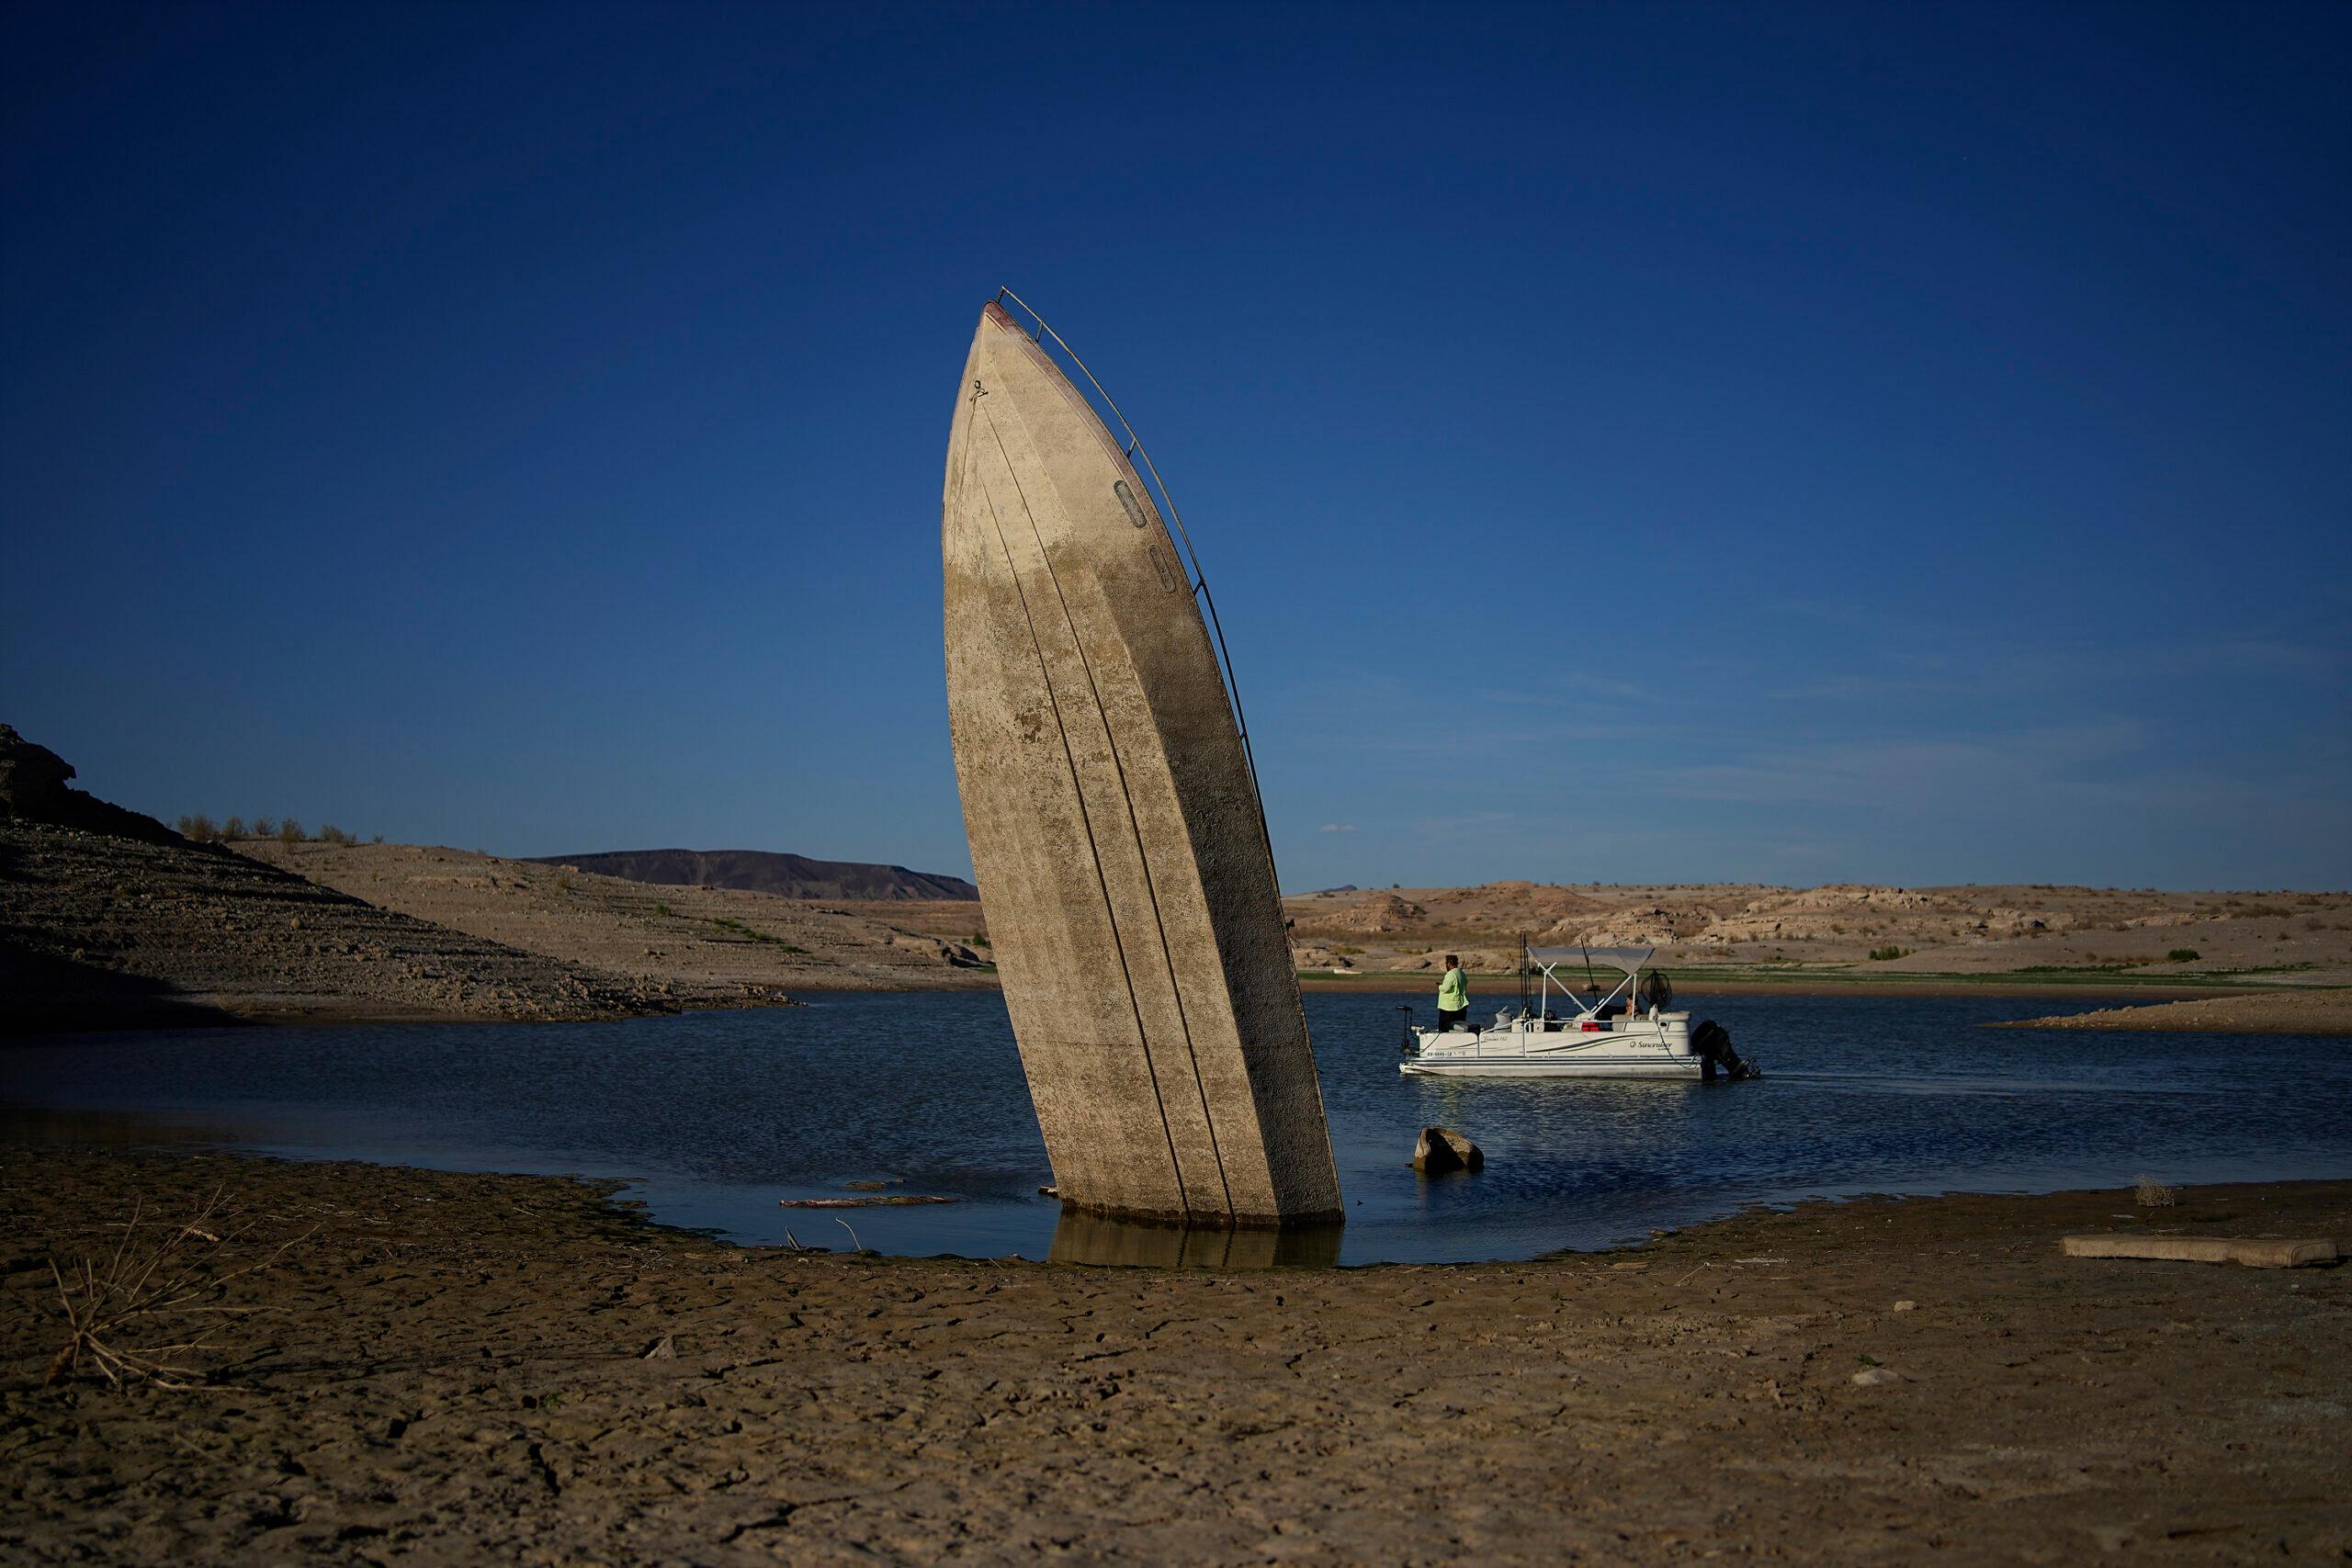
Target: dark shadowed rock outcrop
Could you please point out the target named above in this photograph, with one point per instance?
(33, 789)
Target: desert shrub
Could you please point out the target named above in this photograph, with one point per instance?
(2150, 1194)
(331, 834)
(377, 838)
(1881, 954)
(199, 827)
(290, 832)
(233, 828)
(2183, 956)
(265, 829)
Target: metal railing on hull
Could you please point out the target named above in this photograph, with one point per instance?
(1135, 450)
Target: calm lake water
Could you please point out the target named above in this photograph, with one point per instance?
(713, 1117)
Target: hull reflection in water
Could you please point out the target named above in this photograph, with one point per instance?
(1083, 1237)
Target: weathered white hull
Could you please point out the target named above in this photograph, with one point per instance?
(1122, 858)
(1655, 1047)
(1596, 1067)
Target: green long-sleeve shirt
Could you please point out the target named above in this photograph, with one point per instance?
(1454, 991)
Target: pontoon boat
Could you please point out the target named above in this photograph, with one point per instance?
(1630, 1032)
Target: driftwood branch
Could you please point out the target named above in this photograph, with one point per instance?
(178, 1274)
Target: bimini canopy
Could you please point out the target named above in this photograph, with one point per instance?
(1625, 960)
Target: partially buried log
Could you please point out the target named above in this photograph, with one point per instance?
(2263, 1253)
(1442, 1149)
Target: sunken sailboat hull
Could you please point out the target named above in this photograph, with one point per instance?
(1116, 830)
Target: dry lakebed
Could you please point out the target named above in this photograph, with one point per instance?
(452, 1368)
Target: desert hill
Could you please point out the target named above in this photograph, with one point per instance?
(1845, 930)
(1843, 936)
(698, 945)
(762, 871)
(109, 920)
(98, 931)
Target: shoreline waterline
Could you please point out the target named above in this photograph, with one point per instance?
(738, 1122)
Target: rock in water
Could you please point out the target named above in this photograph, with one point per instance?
(1115, 829)
(1442, 1149)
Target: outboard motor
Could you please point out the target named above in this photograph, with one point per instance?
(1407, 1045)
(1711, 1042)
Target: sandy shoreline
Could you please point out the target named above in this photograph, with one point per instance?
(455, 1368)
(2261, 1012)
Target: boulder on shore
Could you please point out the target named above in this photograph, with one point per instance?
(1442, 1149)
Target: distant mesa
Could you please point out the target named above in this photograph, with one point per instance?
(763, 871)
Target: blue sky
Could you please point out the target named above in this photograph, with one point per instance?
(1794, 444)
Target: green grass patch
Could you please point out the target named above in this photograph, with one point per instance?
(749, 935)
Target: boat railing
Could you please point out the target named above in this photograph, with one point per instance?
(1199, 582)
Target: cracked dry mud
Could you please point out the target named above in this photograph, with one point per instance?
(455, 1368)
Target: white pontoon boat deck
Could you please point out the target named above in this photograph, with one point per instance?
(1627, 1033)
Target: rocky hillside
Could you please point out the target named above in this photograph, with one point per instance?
(1849, 929)
(99, 931)
(760, 871)
(702, 946)
(109, 920)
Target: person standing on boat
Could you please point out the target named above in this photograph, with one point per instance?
(1453, 997)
